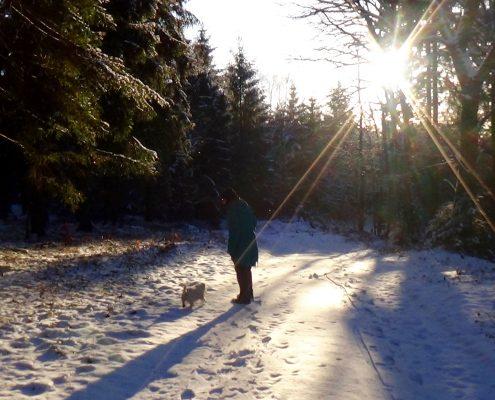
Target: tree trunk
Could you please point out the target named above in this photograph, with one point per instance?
(434, 81)
(362, 213)
(468, 124)
(361, 206)
(4, 202)
(84, 217)
(37, 216)
(429, 78)
(382, 224)
(386, 164)
(492, 127)
(150, 209)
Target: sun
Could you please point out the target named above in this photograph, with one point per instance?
(388, 68)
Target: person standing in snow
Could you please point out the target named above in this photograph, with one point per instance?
(242, 245)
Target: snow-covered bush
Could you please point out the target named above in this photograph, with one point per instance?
(458, 226)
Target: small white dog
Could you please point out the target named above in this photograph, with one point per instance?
(192, 292)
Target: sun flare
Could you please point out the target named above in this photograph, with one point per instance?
(388, 68)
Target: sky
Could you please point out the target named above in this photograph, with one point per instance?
(271, 40)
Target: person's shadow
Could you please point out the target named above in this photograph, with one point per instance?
(135, 375)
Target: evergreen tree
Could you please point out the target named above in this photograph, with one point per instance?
(53, 76)
(312, 116)
(249, 131)
(293, 107)
(338, 107)
(210, 137)
(289, 148)
(211, 148)
(336, 186)
(149, 37)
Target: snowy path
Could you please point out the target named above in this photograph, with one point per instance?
(407, 331)
(292, 345)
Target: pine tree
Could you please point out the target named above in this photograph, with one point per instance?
(53, 76)
(312, 116)
(290, 148)
(149, 37)
(336, 186)
(293, 107)
(249, 130)
(84, 127)
(210, 138)
(338, 107)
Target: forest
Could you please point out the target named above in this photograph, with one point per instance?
(107, 109)
(144, 182)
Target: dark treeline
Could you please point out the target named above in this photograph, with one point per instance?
(106, 109)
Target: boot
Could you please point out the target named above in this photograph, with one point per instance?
(243, 279)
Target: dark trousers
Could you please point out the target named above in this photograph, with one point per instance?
(245, 281)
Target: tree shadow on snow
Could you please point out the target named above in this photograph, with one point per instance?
(79, 272)
(424, 345)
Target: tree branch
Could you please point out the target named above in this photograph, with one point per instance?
(12, 141)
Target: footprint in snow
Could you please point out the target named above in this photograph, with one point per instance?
(204, 371)
(35, 388)
(129, 333)
(23, 366)
(85, 369)
(238, 389)
(105, 341)
(240, 362)
(416, 377)
(389, 360)
(61, 379)
(244, 352)
(52, 353)
(20, 343)
(187, 394)
(119, 358)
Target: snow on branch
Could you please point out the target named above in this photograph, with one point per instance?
(101, 62)
(9, 139)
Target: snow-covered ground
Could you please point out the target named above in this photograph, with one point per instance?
(333, 319)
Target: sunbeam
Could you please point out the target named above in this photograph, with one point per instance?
(323, 153)
(423, 23)
(308, 171)
(432, 10)
(460, 158)
(425, 121)
(344, 131)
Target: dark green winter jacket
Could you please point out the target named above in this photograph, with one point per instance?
(242, 245)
